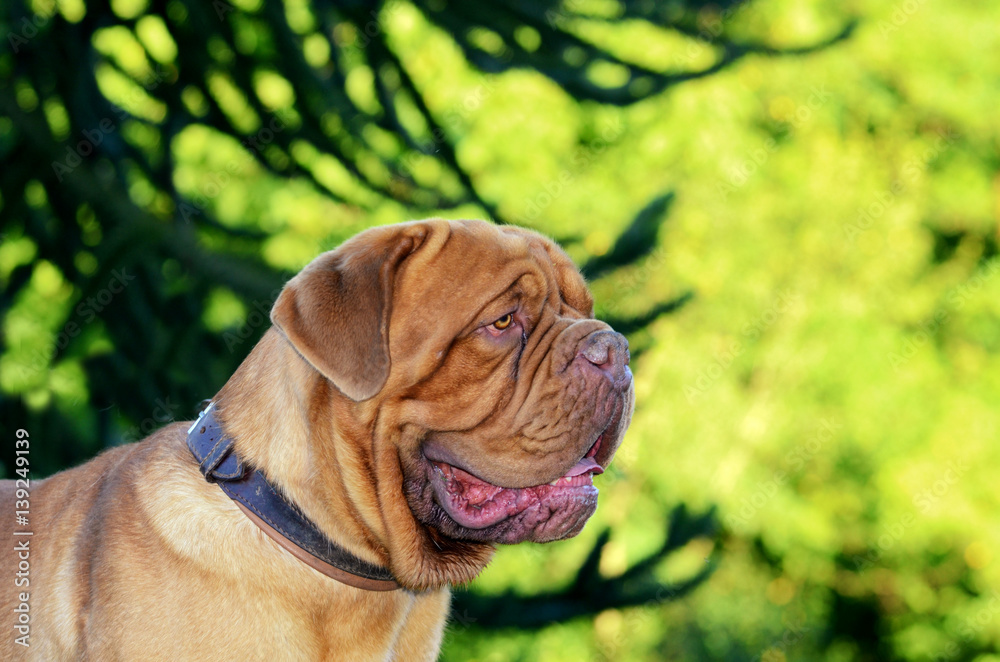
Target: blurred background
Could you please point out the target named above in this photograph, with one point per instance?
(791, 208)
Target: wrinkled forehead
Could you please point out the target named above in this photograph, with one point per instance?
(473, 263)
(569, 288)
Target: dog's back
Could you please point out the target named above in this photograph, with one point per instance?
(51, 551)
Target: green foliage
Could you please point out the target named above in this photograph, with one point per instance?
(817, 208)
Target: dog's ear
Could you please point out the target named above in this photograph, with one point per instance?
(335, 312)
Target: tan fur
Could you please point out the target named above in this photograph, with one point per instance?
(136, 557)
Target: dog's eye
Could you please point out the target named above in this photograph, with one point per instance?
(503, 322)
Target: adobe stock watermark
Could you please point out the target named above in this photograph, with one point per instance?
(28, 28)
(795, 460)
(633, 279)
(900, 16)
(775, 652)
(453, 120)
(215, 182)
(925, 501)
(258, 317)
(162, 413)
(754, 160)
(751, 331)
(710, 28)
(88, 309)
(376, 25)
(90, 139)
(640, 274)
(970, 628)
(955, 299)
(581, 159)
(634, 619)
(22, 533)
(928, 499)
(566, 10)
(868, 215)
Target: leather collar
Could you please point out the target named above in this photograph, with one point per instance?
(275, 515)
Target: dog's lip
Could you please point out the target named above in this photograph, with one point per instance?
(587, 464)
(466, 507)
(477, 504)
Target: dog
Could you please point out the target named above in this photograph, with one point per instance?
(427, 391)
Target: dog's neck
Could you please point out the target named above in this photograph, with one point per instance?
(289, 421)
(282, 416)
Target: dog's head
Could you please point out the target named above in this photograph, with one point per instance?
(468, 354)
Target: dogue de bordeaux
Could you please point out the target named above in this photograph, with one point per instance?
(427, 391)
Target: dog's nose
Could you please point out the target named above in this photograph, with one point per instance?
(608, 351)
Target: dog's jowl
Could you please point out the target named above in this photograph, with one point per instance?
(427, 391)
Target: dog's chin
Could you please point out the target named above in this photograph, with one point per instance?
(464, 507)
